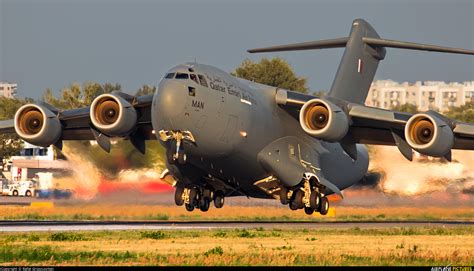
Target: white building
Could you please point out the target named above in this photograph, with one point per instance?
(426, 95)
(8, 89)
(32, 160)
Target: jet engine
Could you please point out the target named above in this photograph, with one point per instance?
(324, 120)
(429, 135)
(37, 125)
(113, 115)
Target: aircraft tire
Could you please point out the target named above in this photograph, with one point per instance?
(189, 207)
(15, 193)
(207, 193)
(219, 199)
(204, 204)
(193, 193)
(315, 200)
(298, 200)
(308, 210)
(178, 195)
(293, 205)
(28, 193)
(324, 206)
(284, 196)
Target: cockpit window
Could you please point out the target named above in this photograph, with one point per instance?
(169, 75)
(194, 78)
(182, 76)
(203, 80)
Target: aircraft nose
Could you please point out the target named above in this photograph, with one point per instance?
(171, 99)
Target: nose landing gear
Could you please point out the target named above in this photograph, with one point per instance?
(176, 152)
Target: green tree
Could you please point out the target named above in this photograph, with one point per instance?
(320, 93)
(75, 96)
(10, 144)
(108, 87)
(409, 108)
(463, 113)
(273, 72)
(145, 90)
(9, 106)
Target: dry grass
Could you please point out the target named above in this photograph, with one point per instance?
(258, 247)
(147, 212)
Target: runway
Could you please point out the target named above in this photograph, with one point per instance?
(33, 226)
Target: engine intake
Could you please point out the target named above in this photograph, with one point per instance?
(429, 135)
(37, 125)
(113, 115)
(324, 120)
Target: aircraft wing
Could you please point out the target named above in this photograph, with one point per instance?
(76, 124)
(376, 126)
(7, 127)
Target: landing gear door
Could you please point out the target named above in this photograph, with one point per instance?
(288, 158)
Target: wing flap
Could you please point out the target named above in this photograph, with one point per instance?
(378, 114)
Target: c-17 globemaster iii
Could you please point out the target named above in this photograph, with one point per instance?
(225, 136)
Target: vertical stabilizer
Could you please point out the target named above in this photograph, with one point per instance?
(358, 65)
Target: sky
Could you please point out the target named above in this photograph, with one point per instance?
(50, 44)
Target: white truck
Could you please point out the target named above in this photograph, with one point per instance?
(22, 188)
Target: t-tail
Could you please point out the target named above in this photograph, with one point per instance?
(364, 50)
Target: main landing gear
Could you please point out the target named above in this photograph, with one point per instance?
(176, 153)
(193, 196)
(307, 197)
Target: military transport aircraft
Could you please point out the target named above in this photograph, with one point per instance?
(225, 136)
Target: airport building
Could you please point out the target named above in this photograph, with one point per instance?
(7, 89)
(32, 160)
(436, 95)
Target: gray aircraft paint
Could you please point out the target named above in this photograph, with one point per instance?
(233, 106)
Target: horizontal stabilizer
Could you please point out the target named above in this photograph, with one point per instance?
(374, 42)
(414, 46)
(310, 45)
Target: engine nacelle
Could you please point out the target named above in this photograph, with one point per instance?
(324, 120)
(113, 115)
(37, 125)
(429, 135)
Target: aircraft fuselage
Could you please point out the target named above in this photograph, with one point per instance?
(232, 120)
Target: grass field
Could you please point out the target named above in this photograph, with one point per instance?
(260, 213)
(396, 246)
